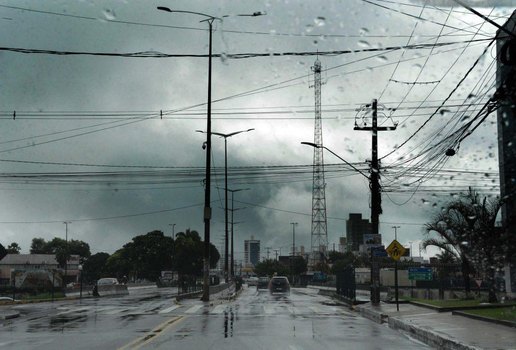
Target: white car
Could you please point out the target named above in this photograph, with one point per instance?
(107, 281)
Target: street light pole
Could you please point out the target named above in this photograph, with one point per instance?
(66, 251)
(207, 209)
(226, 136)
(232, 272)
(294, 224)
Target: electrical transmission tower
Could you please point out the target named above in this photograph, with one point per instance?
(319, 221)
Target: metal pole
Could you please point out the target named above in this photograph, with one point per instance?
(226, 209)
(232, 226)
(293, 250)
(207, 208)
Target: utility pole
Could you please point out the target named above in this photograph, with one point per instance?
(506, 91)
(276, 251)
(294, 224)
(66, 251)
(376, 197)
(268, 249)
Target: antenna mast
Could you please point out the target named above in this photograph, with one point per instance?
(319, 222)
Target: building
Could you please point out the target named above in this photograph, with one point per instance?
(343, 245)
(16, 268)
(356, 228)
(251, 252)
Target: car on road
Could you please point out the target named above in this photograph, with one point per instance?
(252, 281)
(279, 284)
(263, 283)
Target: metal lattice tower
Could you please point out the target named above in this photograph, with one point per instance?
(319, 221)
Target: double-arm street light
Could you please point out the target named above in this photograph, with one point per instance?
(207, 209)
(226, 136)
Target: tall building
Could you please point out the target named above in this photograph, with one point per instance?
(252, 251)
(356, 228)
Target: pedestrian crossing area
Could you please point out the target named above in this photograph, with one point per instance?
(201, 309)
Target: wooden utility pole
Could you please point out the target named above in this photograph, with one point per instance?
(376, 196)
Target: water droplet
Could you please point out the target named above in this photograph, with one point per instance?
(382, 58)
(320, 21)
(224, 58)
(363, 43)
(417, 66)
(109, 14)
(309, 28)
(363, 31)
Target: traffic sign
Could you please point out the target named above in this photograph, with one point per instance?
(395, 250)
(420, 273)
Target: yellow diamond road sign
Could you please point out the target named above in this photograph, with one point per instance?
(395, 250)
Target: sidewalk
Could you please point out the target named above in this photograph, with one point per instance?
(441, 330)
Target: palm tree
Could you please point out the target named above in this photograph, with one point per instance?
(466, 230)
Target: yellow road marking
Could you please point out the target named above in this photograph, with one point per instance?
(151, 335)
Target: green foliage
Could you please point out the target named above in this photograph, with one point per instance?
(189, 253)
(95, 267)
(13, 248)
(270, 267)
(341, 261)
(3, 251)
(148, 255)
(322, 267)
(466, 230)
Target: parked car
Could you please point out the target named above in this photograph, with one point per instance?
(107, 281)
(252, 281)
(263, 283)
(279, 284)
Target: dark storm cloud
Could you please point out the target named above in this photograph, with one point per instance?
(83, 83)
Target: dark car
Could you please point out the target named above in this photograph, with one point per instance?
(263, 283)
(279, 284)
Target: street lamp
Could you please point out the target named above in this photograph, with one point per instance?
(173, 227)
(226, 136)
(207, 209)
(232, 272)
(375, 269)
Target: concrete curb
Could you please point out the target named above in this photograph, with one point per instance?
(485, 319)
(430, 338)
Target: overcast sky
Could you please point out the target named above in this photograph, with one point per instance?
(100, 115)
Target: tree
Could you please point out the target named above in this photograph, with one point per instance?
(269, 267)
(341, 261)
(95, 267)
(13, 248)
(38, 246)
(149, 254)
(3, 251)
(466, 229)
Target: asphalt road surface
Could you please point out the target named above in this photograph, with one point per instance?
(151, 319)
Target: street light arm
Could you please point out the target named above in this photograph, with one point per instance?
(167, 9)
(336, 155)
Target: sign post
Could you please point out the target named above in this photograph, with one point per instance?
(395, 251)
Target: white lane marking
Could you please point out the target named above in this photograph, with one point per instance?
(73, 310)
(315, 309)
(194, 309)
(218, 309)
(116, 311)
(170, 309)
(269, 309)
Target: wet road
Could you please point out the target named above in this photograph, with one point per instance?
(150, 319)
